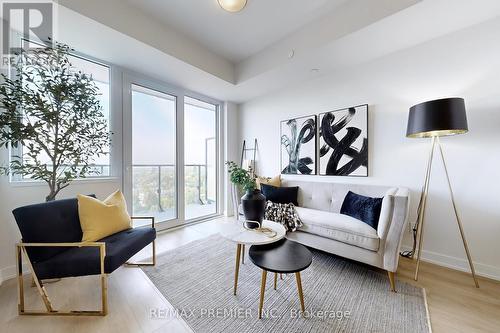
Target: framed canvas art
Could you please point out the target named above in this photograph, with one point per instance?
(343, 136)
(298, 146)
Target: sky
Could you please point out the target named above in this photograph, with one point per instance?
(153, 130)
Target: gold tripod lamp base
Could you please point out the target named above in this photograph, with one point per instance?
(422, 206)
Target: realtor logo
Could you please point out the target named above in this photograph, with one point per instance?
(32, 20)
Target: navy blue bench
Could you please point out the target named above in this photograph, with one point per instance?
(51, 240)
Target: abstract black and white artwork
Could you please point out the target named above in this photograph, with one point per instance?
(298, 146)
(344, 142)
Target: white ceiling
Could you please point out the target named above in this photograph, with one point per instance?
(354, 33)
(236, 36)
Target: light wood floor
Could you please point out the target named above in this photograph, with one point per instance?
(455, 304)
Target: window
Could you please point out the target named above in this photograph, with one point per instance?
(200, 158)
(101, 166)
(100, 74)
(171, 152)
(153, 154)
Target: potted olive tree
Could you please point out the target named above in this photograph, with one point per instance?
(51, 117)
(253, 202)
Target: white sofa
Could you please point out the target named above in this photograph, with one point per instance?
(327, 230)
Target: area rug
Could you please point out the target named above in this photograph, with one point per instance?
(340, 295)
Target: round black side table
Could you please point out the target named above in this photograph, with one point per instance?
(283, 256)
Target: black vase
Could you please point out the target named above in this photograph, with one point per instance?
(254, 206)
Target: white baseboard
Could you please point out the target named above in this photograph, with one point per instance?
(10, 272)
(459, 264)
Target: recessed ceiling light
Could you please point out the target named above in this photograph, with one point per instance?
(232, 6)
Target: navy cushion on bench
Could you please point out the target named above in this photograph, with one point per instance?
(49, 222)
(81, 261)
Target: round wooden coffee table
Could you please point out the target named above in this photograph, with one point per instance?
(235, 232)
(284, 256)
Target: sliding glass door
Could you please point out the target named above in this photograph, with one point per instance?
(171, 153)
(153, 153)
(200, 158)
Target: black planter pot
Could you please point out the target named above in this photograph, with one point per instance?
(254, 207)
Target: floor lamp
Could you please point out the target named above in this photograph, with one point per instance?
(433, 119)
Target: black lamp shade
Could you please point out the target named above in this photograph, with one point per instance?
(439, 117)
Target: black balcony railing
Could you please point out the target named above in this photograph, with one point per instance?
(160, 175)
(94, 171)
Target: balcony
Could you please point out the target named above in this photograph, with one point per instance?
(154, 191)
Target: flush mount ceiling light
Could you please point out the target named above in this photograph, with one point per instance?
(232, 6)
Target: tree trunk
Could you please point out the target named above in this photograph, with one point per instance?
(52, 182)
(52, 194)
(50, 197)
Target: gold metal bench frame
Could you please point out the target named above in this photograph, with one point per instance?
(21, 249)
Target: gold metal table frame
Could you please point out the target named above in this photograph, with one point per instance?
(263, 289)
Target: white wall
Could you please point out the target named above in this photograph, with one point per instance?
(465, 64)
(231, 150)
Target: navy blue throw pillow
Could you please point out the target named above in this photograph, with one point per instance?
(282, 195)
(363, 208)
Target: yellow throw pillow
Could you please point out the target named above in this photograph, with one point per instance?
(100, 219)
(275, 181)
